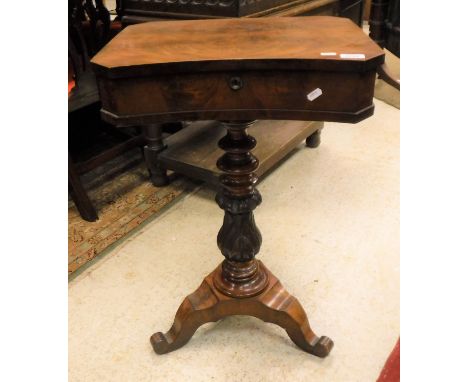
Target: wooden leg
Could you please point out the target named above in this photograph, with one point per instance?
(79, 195)
(313, 140)
(240, 285)
(274, 304)
(154, 145)
(384, 73)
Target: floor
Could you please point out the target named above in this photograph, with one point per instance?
(330, 226)
(124, 199)
(384, 91)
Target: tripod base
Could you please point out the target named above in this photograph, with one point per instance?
(274, 304)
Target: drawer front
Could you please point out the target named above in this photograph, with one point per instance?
(297, 95)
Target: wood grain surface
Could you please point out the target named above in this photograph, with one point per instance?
(275, 305)
(238, 69)
(228, 43)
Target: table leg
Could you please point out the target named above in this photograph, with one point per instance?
(79, 195)
(154, 145)
(240, 285)
(313, 140)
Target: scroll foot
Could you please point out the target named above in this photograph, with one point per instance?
(196, 310)
(281, 308)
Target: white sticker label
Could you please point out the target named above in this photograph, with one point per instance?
(353, 55)
(314, 94)
(328, 54)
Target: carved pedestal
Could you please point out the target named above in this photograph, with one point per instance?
(240, 285)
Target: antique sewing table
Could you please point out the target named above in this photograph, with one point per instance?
(237, 71)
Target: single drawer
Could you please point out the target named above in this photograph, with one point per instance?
(269, 94)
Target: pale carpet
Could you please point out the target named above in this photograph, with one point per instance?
(330, 225)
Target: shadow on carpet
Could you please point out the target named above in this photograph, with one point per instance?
(124, 199)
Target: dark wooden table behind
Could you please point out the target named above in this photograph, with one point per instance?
(136, 11)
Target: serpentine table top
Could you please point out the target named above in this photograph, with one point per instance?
(262, 68)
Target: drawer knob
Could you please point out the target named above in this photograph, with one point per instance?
(235, 83)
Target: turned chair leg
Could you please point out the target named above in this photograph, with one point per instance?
(154, 145)
(386, 75)
(79, 195)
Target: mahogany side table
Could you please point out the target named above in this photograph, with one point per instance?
(237, 71)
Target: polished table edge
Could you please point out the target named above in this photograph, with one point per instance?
(239, 115)
(203, 66)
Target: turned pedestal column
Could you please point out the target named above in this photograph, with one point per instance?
(240, 285)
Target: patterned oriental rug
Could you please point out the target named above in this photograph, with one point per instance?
(124, 199)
